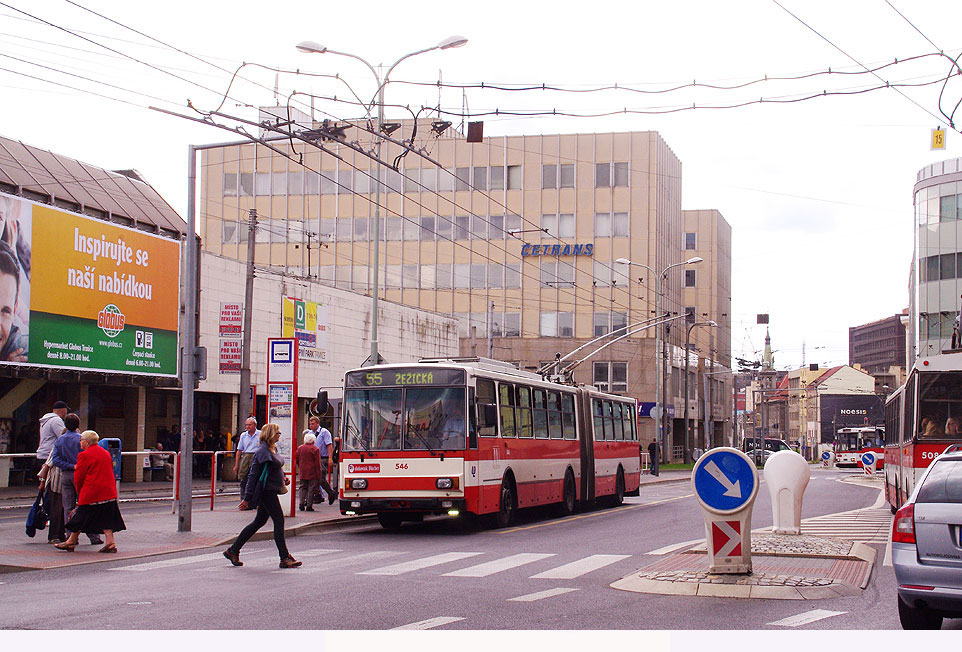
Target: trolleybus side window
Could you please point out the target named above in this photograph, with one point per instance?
(568, 416)
(908, 415)
(554, 415)
(619, 420)
(540, 414)
(487, 401)
(612, 421)
(598, 414)
(506, 402)
(633, 417)
(524, 412)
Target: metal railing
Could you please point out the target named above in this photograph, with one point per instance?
(645, 463)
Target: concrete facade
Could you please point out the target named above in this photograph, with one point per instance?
(530, 224)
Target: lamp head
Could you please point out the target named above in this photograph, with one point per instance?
(452, 42)
(692, 261)
(311, 47)
(622, 261)
(712, 323)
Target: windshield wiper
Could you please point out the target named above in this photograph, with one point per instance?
(356, 432)
(411, 428)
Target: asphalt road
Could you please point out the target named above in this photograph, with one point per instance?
(543, 573)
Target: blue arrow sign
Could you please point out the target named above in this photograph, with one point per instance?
(868, 459)
(725, 480)
(826, 455)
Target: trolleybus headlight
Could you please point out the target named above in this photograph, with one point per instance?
(359, 483)
(444, 483)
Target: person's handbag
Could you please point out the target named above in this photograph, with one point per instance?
(282, 491)
(37, 517)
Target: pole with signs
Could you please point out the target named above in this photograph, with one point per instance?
(282, 402)
(725, 482)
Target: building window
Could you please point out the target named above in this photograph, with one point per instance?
(689, 314)
(230, 184)
(512, 275)
(557, 324)
(602, 175)
(619, 225)
(512, 324)
(246, 188)
(948, 208)
(549, 176)
(600, 324)
(567, 175)
(462, 276)
(611, 376)
(690, 241)
(463, 179)
(619, 174)
(228, 232)
(602, 225)
(262, 184)
(689, 278)
(295, 183)
(480, 178)
(497, 178)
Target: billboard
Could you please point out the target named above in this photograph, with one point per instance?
(81, 293)
(306, 321)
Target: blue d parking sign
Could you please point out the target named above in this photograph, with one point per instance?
(725, 480)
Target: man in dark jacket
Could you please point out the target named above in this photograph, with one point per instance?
(653, 456)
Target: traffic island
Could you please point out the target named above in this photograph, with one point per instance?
(785, 567)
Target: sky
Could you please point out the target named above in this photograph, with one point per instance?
(818, 191)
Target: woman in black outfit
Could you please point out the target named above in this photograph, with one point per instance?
(263, 492)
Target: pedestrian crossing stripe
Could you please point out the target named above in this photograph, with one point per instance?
(326, 559)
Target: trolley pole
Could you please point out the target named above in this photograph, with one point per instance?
(188, 375)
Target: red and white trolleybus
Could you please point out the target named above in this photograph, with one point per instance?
(922, 418)
(852, 443)
(478, 436)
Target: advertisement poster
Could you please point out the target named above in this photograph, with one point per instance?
(230, 357)
(307, 321)
(105, 297)
(231, 320)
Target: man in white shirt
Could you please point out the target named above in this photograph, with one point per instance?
(323, 441)
(244, 456)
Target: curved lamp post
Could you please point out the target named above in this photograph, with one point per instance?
(660, 391)
(313, 47)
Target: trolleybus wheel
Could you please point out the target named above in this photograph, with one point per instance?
(568, 501)
(505, 514)
(619, 496)
(389, 521)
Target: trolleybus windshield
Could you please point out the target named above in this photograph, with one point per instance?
(411, 418)
(940, 405)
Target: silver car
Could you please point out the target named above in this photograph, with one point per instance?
(927, 546)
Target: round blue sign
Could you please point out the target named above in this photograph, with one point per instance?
(868, 459)
(725, 480)
(826, 455)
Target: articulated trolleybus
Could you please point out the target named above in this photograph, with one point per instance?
(923, 417)
(478, 436)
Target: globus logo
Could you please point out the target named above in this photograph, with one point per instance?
(110, 320)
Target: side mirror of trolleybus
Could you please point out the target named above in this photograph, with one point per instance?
(321, 401)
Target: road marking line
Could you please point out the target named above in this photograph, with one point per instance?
(880, 500)
(304, 554)
(340, 562)
(498, 565)
(593, 514)
(430, 623)
(541, 595)
(580, 567)
(807, 617)
(675, 546)
(887, 560)
(181, 561)
(418, 564)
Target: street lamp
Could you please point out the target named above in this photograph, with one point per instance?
(660, 391)
(312, 47)
(710, 324)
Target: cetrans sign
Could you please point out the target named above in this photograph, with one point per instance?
(404, 377)
(529, 249)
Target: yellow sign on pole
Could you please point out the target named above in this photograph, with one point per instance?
(938, 139)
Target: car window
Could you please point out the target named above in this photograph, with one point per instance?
(943, 483)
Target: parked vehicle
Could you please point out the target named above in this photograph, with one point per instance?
(927, 545)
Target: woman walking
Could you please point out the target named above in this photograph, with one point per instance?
(97, 510)
(267, 480)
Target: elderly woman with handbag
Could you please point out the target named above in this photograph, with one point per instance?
(267, 482)
(97, 509)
